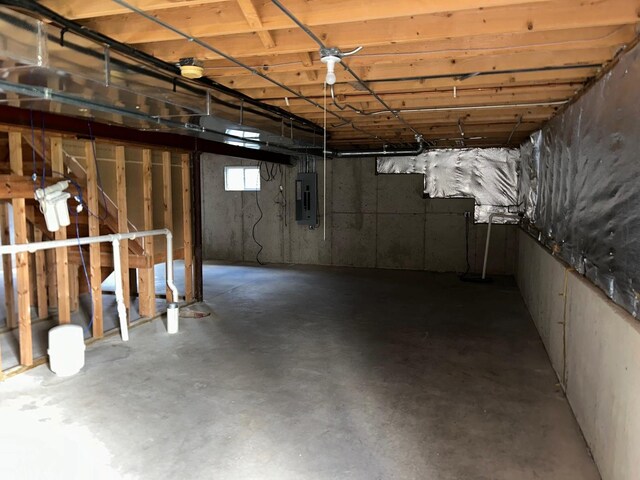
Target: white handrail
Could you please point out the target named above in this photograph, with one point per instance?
(486, 247)
(115, 239)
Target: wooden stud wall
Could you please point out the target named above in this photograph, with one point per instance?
(22, 259)
(54, 278)
(146, 277)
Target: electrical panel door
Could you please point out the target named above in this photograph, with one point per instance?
(307, 199)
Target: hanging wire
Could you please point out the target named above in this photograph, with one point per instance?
(324, 170)
(44, 154)
(34, 176)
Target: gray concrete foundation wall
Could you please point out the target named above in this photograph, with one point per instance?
(594, 347)
(372, 221)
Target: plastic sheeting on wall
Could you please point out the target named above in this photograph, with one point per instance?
(580, 183)
(489, 175)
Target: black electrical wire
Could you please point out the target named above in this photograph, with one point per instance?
(44, 155)
(253, 231)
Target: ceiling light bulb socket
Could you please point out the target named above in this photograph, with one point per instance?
(330, 61)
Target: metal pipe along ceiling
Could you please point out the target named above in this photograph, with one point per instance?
(146, 59)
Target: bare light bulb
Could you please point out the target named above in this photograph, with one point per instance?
(331, 61)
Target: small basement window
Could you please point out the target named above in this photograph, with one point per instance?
(242, 179)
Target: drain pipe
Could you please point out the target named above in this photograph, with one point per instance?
(382, 153)
(486, 246)
(115, 238)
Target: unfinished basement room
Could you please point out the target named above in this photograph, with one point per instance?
(320, 239)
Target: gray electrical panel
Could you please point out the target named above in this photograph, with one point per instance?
(307, 199)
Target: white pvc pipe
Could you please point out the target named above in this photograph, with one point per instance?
(486, 247)
(115, 239)
(122, 309)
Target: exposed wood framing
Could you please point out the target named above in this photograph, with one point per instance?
(123, 224)
(22, 259)
(146, 277)
(95, 273)
(52, 279)
(253, 19)
(41, 277)
(186, 227)
(415, 54)
(7, 267)
(74, 286)
(15, 186)
(62, 262)
(167, 200)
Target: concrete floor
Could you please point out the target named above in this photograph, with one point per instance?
(308, 373)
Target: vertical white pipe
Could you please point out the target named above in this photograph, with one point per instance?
(486, 246)
(122, 309)
(170, 284)
(324, 170)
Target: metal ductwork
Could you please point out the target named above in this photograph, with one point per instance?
(52, 68)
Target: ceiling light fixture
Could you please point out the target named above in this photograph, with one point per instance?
(331, 56)
(191, 68)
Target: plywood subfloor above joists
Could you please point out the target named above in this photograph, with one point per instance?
(501, 68)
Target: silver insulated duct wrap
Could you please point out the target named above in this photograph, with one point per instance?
(488, 175)
(580, 183)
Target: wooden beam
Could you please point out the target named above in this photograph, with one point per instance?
(41, 277)
(186, 227)
(7, 267)
(227, 19)
(74, 286)
(95, 273)
(22, 259)
(123, 224)
(62, 262)
(253, 19)
(428, 85)
(453, 67)
(556, 15)
(52, 280)
(146, 276)
(78, 9)
(307, 61)
(167, 200)
(15, 186)
(457, 47)
(106, 260)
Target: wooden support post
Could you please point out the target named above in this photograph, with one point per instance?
(7, 267)
(22, 259)
(146, 277)
(123, 224)
(33, 286)
(41, 277)
(95, 274)
(74, 286)
(52, 281)
(167, 198)
(186, 228)
(62, 262)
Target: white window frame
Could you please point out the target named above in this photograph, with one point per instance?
(244, 187)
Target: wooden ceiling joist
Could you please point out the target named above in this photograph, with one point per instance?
(494, 64)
